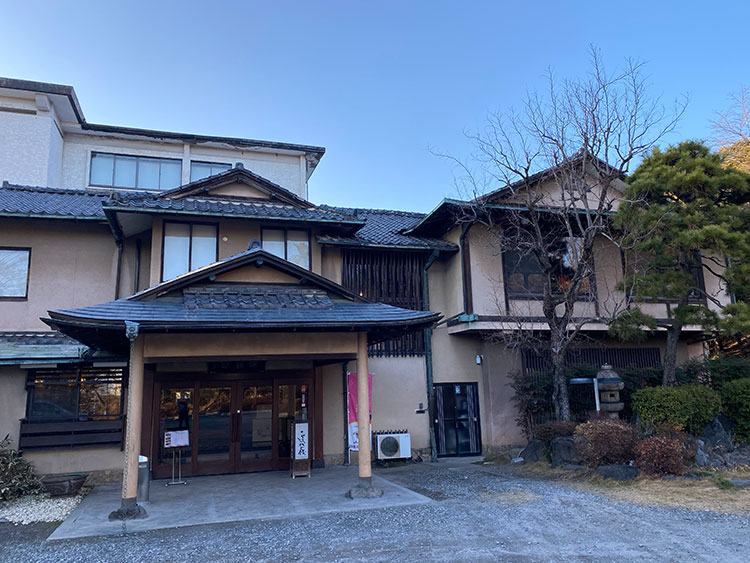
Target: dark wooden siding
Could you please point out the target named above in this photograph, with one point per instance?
(392, 277)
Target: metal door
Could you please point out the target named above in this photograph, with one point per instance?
(457, 419)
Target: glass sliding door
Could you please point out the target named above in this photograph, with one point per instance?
(256, 432)
(175, 413)
(214, 429)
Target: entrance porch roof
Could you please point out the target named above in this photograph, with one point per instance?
(201, 301)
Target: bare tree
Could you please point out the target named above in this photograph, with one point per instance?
(732, 130)
(544, 181)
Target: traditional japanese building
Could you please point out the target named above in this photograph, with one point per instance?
(153, 280)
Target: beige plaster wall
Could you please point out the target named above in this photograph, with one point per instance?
(398, 386)
(70, 460)
(12, 402)
(498, 362)
(73, 264)
(331, 265)
(253, 344)
(239, 190)
(444, 279)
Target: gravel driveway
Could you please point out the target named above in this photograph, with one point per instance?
(479, 514)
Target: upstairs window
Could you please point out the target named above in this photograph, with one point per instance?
(200, 170)
(291, 245)
(524, 277)
(188, 246)
(14, 272)
(122, 171)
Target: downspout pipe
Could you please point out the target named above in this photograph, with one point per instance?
(120, 245)
(428, 356)
(136, 277)
(465, 276)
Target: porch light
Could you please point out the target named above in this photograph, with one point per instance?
(479, 359)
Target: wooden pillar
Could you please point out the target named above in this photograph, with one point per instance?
(363, 412)
(129, 509)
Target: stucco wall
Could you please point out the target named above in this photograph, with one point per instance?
(12, 402)
(282, 169)
(73, 264)
(334, 426)
(29, 151)
(398, 386)
(70, 460)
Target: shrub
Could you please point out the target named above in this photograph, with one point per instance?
(606, 441)
(676, 432)
(690, 406)
(660, 455)
(551, 430)
(735, 398)
(17, 477)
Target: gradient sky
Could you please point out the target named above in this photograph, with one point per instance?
(377, 83)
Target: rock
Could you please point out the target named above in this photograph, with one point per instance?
(572, 467)
(617, 472)
(534, 451)
(701, 458)
(682, 477)
(517, 460)
(718, 433)
(740, 482)
(563, 452)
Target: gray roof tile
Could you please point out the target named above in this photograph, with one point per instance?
(32, 201)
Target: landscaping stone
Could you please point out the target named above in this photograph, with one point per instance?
(617, 472)
(572, 467)
(563, 452)
(534, 451)
(740, 482)
(682, 477)
(738, 457)
(718, 433)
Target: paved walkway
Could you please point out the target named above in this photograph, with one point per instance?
(231, 498)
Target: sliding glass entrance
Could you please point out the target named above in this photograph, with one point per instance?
(234, 425)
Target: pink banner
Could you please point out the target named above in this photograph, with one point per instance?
(351, 392)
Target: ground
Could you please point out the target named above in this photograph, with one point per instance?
(480, 513)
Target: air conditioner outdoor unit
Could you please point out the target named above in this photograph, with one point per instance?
(393, 444)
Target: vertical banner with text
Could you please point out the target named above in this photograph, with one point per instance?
(351, 394)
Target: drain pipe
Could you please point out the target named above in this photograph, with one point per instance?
(119, 244)
(428, 356)
(465, 273)
(137, 275)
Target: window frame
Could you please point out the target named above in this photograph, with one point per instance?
(699, 278)
(583, 295)
(228, 165)
(286, 241)
(137, 157)
(190, 242)
(79, 373)
(24, 297)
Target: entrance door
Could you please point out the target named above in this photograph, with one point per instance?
(235, 425)
(457, 419)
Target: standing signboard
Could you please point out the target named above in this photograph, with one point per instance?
(300, 448)
(176, 440)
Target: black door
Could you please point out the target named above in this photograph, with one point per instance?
(457, 419)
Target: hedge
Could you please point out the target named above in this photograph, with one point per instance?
(690, 406)
(735, 398)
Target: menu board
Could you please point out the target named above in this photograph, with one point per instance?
(176, 439)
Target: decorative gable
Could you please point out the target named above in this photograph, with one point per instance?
(237, 183)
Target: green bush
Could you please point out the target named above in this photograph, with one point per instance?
(606, 441)
(551, 430)
(690, 406)
(735, 398)
(714, 372)
(17, 477)
(660, 455)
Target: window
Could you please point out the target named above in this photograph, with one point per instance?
(393, 277)
(14, 272)
(74, 394)
(291, 245)
(200, 170)
(122, 171)
(684, 269)
(524, 276)
(188, 246)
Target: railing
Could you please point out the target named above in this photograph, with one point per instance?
(64, 434)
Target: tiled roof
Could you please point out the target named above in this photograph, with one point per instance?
(225, 207)
(383, 228)
(58, 203)
(259, 297)
(36, 347)
(161, 314)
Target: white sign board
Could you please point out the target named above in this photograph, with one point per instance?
(176, 439)
(301, 440)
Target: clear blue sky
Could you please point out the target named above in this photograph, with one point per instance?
(376, 83)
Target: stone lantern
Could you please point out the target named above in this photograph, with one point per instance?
(610, 385)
